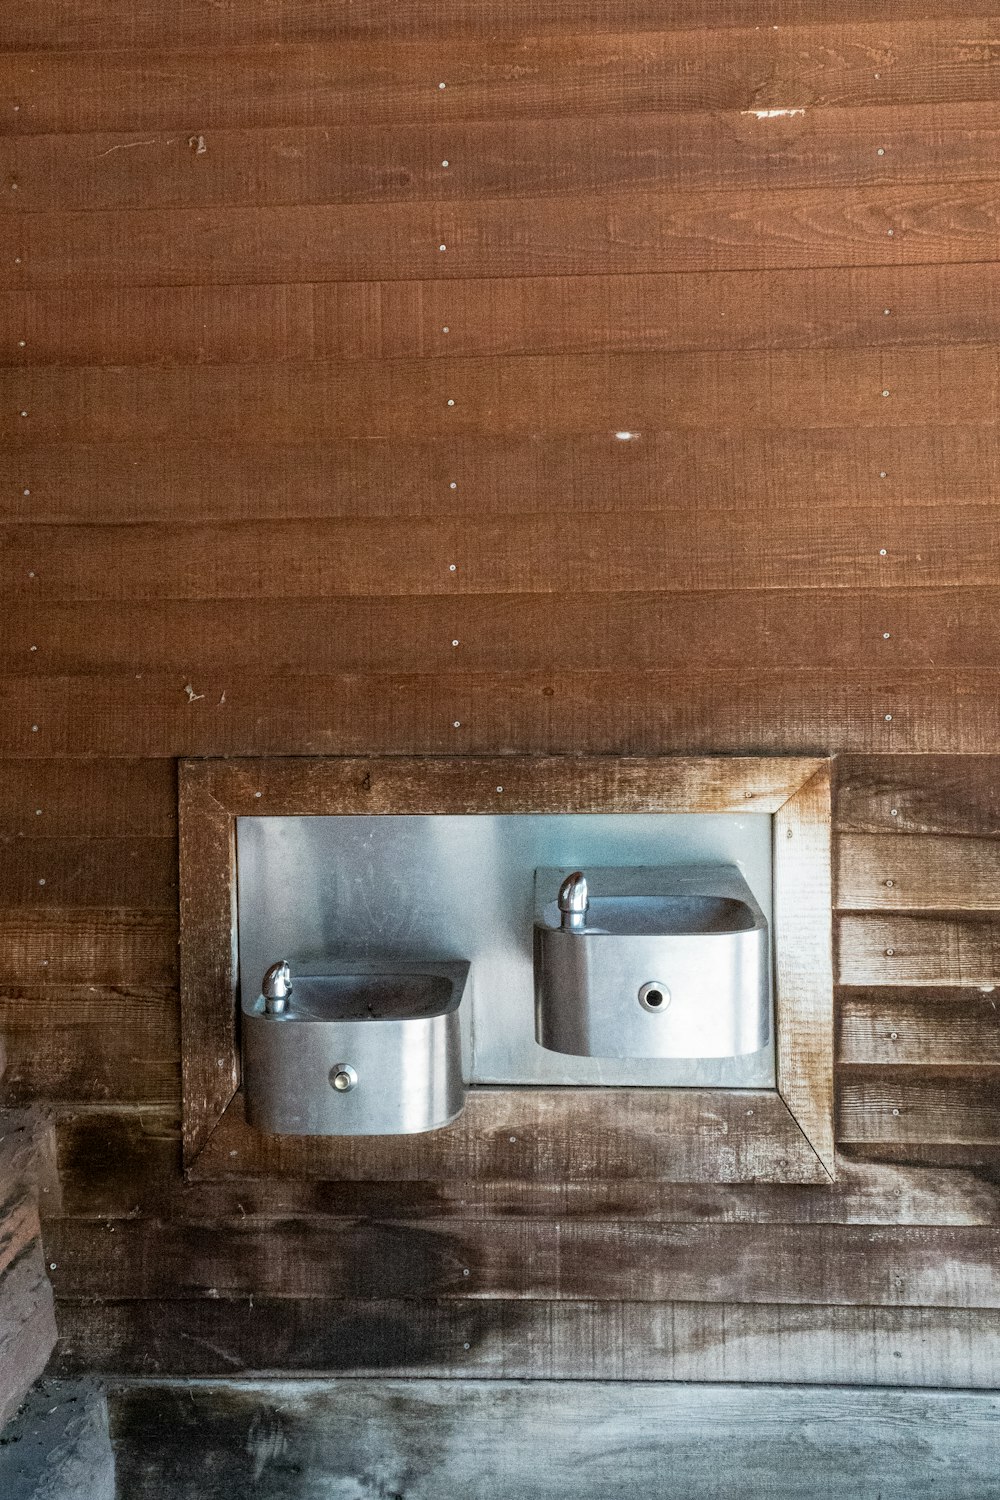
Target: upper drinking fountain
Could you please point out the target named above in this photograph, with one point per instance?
(667, 963)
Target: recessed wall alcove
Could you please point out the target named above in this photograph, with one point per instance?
(784, 1133)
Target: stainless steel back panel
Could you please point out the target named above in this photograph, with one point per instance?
(436, 887)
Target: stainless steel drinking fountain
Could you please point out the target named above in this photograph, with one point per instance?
(371, 1048)
(666, 963)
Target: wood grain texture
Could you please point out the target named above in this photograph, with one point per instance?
(680, 1135)
(916, 950)
(357, 163)
(323, 82)
(86, 23)
(883, 307)
(532, 1340)
(608, 234)
(842, 627)
(888, 872)
(209, 961)
(445, 1439)
(78, 945)
(760, 711)
(241, 480)
(803, 961)
(90, 1043)
(937, 1028)
(919, 795)
(910, 1106)
(62, 799)
(558, 395)
(573, 1261)
(678, 552)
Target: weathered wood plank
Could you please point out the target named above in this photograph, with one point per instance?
(143, 23)
(591, 234)
(914, 950)
(571, 1135)
(552, 1441)
(937, 1028)
(842, 628)
(888, 872)
(942, 794)
(803, 961)
(324, 83)
(125, 1163)
(544, 1260)
(68, 945)
(919, 1106)
(517, 397)
(828, 309)
(699, 469)
(675, 550)
(461, 161)
(60, 799)
(136, 872)
(531, 1340)
(90, 1043)
(757, 711)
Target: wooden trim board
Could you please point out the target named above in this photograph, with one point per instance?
(784, 1134)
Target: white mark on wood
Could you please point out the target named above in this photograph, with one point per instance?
(197, 144)
(773, 114)
(125, 146)
(191, 694)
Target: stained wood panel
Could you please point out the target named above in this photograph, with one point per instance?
(698, 469)
(319, 82)
(884, 307)
(891, 950)
(576, 1261)
(923, 1027)
(958, 1106)
(91, 1043)
(640, 232)
(532, 1340)
(615, 712)
(920, 795)
(504, 632)
(677, 552)
(560, 395)
(452, 162)
(888, 872)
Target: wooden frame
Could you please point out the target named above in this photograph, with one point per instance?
(782, 1134)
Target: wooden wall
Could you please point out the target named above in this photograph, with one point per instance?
(718, 308)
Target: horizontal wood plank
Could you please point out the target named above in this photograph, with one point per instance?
(887, 872)
(135, 872)
(143, 23)
(813, 711)
(683, 1135)
(73, 800)
(572, 1440)
(575, 1261)
(703, 468)
(920, 795)
(895, 1346)
(125, 1163)
(884, 307)
(70, 945)
(673, 552)
(90, 1043)
(937, 1028)
(462, 161)
(608, 234)
(841, 628)
(917, 950)
(323, 82)
(557, 395)
(909, 1106)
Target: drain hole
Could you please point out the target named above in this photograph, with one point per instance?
(654, 996)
